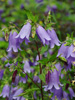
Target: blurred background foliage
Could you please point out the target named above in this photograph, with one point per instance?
(63, 13)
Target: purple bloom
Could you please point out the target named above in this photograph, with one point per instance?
(27, 67)
(18, 92)
(1, 74)
(67, 67)
(34, 95)
(65, 95)
(48, 77)
(54, 81)
(72, 94)
(71, 60)
(10, 2)
(71, 51)
(13, 42)
(23, 79)
(22, 98)
(63, 51)
(1, 39)
(71, 55)
(54, 38)
(12, 91)
(17, 80)
(39, 1)
(36, 79)
(3, 20)
(58, 66)
(57, 93)
(8, 65)
(37, 58)
(5, 91)
(1, 11)
(43, 35)
(25, 33)
(22, 6)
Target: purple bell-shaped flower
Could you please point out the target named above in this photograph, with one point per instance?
(27, 67)
(13, 42)
(5, 91)
(43, 35)
(54, 38)
(25, 33)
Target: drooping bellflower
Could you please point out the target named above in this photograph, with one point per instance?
(63, 51)
(1, 74)
(57, 93)
(43, 35)
(39, 1)
(71, 54)
(13, 42)
(36, 79)
(18, 92)
(25, 33)
(5, 91)
(53, 81)
(54, 39)
(27, 67)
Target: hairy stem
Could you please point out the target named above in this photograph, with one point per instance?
(40, 70)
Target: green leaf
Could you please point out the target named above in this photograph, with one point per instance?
(28, 91)
(44, 49)
(62, 58)
(42, 77)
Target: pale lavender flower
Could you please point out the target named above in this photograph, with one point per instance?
(54, 39)
(13, 42)
(17, 80)
(63, 51)
(18, 92)
(34, 95)
(52, 9)
(22, 6)
(48, 75)
(10, 2)
(53, 81)
(36, 79)
(71, 55)
(22, 98)
(43, 35)
(59, 68)
(72, 94)
(25, 33)
(27, 67)
(37, 58)
(71, 51)
(5, 91)
(1, 74)
(12, 91)
(65, 95)
(71, 60)
(23, 79)
(57, 93)
(39, 1)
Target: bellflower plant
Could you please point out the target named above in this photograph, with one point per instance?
(37, 71)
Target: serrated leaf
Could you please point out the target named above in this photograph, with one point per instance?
(44, 49)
